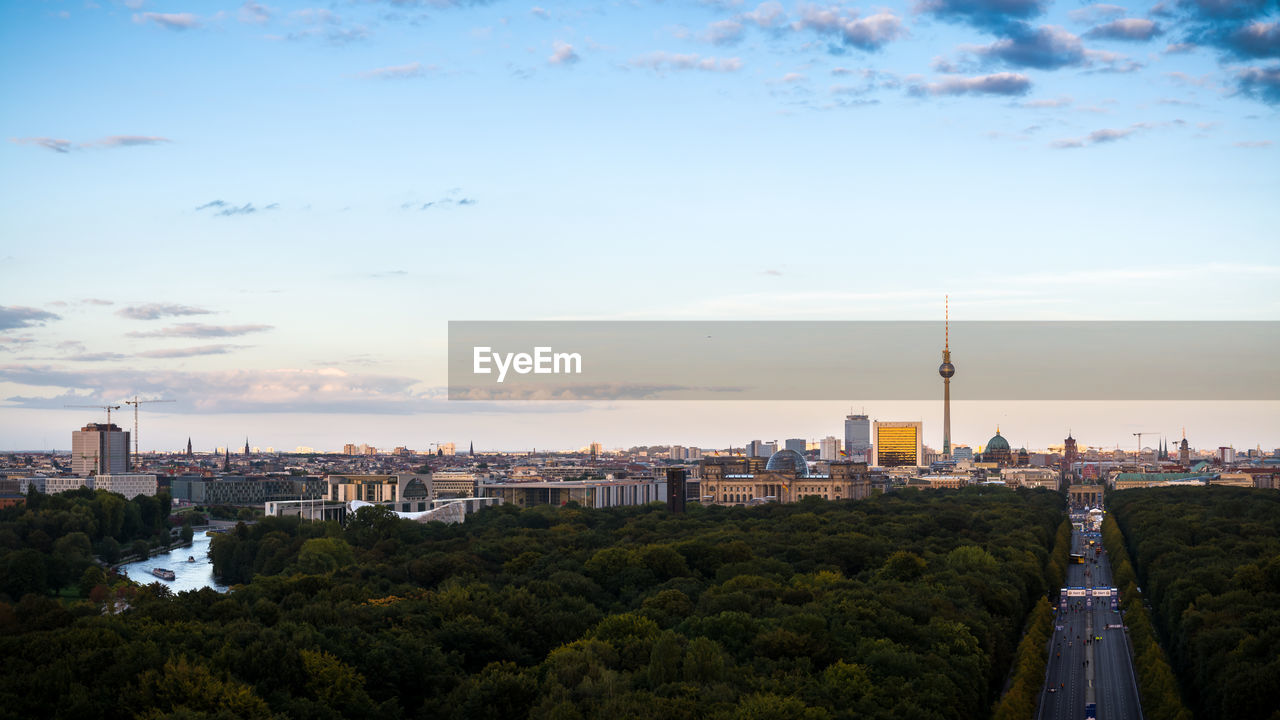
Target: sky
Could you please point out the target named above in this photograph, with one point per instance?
(269, 212)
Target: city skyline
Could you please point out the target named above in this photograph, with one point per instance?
(269, 212)
(1208, 416)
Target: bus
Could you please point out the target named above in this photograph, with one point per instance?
(1077, 558)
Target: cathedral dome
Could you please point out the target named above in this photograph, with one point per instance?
(997, 443)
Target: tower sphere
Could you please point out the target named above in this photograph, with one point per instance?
(946, 369)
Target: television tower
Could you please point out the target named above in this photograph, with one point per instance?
(946, 370)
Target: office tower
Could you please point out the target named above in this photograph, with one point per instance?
(797, 444)
(857, 438)
(677, 452)
(829, 448)
(99, 449)
(755, 448)
(676, 489)
(898, 444)
(1184, 451)
(946, 370)
(962, 453)
(596, 450)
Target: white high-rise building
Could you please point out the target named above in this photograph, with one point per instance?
(829, 448)
(99, 449)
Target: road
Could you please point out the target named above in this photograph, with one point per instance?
(1083, 669)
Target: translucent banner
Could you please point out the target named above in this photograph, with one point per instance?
(837, 360)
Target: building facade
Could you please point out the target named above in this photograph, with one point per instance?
(857, 438)
(99, 449)
(740, 483)
(898, 444)
(130, 485)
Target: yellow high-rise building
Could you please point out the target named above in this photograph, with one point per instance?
(898, 444)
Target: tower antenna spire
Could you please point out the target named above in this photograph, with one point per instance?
(947, 322)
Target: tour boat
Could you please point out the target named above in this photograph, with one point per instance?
(191, 558)
(163, 574)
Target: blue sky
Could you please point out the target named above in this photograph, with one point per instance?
(284, 203)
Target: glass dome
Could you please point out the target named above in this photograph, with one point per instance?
(788, 461)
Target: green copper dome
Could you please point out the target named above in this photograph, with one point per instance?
(997, 443)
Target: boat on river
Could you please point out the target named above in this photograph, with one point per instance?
(163, 573)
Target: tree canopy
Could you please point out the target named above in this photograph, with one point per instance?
(908, 605)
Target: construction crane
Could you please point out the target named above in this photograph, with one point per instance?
(108, 408)
(1139, 436)
(135, 402)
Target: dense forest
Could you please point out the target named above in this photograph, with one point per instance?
(51, 541)
(1208, 561)
(909, 605)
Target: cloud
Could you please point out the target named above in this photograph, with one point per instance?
(168, 21)
(869, 34)
(96, 357)
(325, 24)
(563, 54)
(724, 32)
(254, 13)
(539, 13)
(1094, 13)
(453, 197)
(97, 301)
(767, 16)
(395, 72)
(1047, 47)
(996, 84)
(15, 343)
(200, 330)
(1047, 103)
(111, 141)
(1127, 29)
(991, 15)
(1255, 40)
(662, 61)
(129, 141)
(1110, 62)
(197, 351)
(1262, 83)
(1224, 9)
(325, 390)
(54, 144)
(772, 273)
(1254, 144)
(225, 209)
(1179, 48)
(1098, 137)
(13, 317)
(154, 311)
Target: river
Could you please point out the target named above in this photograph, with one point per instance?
(189, 575)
